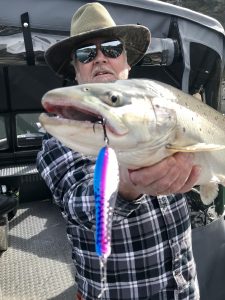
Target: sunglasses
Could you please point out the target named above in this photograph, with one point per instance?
(111, 49)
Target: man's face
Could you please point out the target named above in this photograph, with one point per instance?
(101, 68)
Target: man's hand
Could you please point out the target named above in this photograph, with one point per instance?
(175, 174)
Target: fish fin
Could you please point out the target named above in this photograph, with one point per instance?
(208, 192)
(199, 147)
(221, 179)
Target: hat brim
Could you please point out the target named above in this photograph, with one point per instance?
(135, 37)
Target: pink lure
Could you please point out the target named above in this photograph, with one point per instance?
(106, 181)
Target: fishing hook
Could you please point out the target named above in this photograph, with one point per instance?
(102, 122)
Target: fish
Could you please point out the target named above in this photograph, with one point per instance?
(145, 120)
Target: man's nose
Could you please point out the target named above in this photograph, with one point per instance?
(100, 57)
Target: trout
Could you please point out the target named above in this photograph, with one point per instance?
(145, 121)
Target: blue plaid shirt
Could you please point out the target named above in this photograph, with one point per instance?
(151, 254)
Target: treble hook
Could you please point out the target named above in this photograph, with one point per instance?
(106, 139)
(102, 122)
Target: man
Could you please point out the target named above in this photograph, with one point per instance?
(151, 254)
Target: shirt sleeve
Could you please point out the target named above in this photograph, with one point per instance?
(69, 176)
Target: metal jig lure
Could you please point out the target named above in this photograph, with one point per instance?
(106, 181)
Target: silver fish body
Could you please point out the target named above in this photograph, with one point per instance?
(146, 121)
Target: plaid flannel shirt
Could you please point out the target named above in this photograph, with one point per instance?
(151, 254)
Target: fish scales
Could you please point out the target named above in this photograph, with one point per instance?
(146, 121)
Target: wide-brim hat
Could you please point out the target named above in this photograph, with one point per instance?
(90, 21)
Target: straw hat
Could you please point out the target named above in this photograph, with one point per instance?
(93, 20)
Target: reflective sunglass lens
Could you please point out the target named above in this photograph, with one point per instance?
(86, 54)
(112, 49)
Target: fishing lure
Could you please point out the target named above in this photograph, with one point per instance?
(106, 181)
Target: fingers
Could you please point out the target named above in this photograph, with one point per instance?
(175, 174)
(181, 177)
(191, 180)
(126, 188)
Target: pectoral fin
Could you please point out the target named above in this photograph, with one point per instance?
(209, 192)
(221, 179)
(199, 147)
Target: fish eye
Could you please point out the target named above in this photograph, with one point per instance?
(85, 89)
(114, 98)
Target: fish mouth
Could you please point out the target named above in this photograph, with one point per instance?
(71, 113)
(64, 113)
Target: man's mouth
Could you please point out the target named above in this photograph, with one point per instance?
(102, 72)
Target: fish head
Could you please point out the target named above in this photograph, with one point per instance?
(134, 117)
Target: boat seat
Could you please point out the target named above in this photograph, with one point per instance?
(8, 205)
